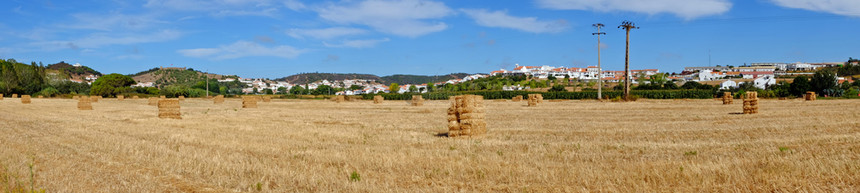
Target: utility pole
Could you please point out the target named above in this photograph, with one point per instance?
(599, 69)
(627, 25)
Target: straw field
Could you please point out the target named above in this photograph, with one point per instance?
(321, 146)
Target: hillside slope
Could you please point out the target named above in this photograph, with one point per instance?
(173, 76)
(305, 78)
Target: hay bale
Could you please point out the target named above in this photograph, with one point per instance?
(267, 99)
(339, 98)
(76, 97)
(84, 103)
(25, 99)
(163, 97)
(14, 96)
(810, 96)
(535, 99)
(218, 99)
(727, 98)
(417, 100)
(378, 99)
(1, 97)
(169, 109)
(153, 101)
(120, 97)
(40, 96)
(249, 101)
(466, 116)
(135, 97)
(751, 103)
(517, 98)
(181, 98)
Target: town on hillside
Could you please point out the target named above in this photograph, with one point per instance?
(761, 75)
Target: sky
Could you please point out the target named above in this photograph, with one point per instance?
(277, 38)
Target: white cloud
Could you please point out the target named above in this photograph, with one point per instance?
(111, 22)
(839, 7)
(357, 43)
(326, 33)
(294, 5)
(398, 17)
(104, 39)
(503, 20)
(270, 12)
(687, 9)
(197, 5)
(241, 49)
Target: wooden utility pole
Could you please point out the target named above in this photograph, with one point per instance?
(627, 25)
(599, 69)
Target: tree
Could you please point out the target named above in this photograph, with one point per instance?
(670, 85)
(282, 90)
(324, 90)
(394, 88)
(550, 77)
(413, 89)
(824, 82)
(111, 85)
(431, 87)
(557, 88)
(297, 90)
(799, 86)
(269, 91)
(356, 87)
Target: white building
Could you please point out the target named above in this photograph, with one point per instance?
(764, 81)
(729, 84)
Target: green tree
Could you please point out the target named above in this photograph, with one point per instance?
(799, 86)
(111, 85)
(393, 88)
(557, 88)
(297, 90)
(356, 87)
(268, 91)
(824, 82)
(413, 89)
(282, 90)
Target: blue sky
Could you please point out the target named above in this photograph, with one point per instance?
(276, 38)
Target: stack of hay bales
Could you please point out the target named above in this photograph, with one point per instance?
(466, 116)
(84, 103)
(267, 99)
(14, 96)
(249, 101)
(169, 109)
(153, 101)
(181, 98)
(76, 97)
(751, 103)
(120, 97)
(378, 99)
(417, 100)
(535, 99)
(94, 99)
(218, 99)
(810, 96)
(25, 99)
(339, 98)
(163, 97)
(727, 98)
(518, 98)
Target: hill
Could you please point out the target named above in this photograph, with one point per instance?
(305, 78)
(171, 76)
(74, 72)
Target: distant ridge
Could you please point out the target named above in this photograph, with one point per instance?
(305, 78)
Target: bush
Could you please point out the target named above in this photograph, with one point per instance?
(49, 92)
(557, 88)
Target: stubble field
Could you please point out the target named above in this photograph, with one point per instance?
(323, 146)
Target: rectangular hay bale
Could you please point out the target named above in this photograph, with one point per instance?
(84, 103)
(25, 99)
(169, 109)
(378, 99)
(249, 101)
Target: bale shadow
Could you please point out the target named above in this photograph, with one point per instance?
(736, 113)
(443, 134)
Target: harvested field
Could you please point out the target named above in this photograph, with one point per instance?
(316, 145)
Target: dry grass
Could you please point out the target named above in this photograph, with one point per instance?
(319, 146)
